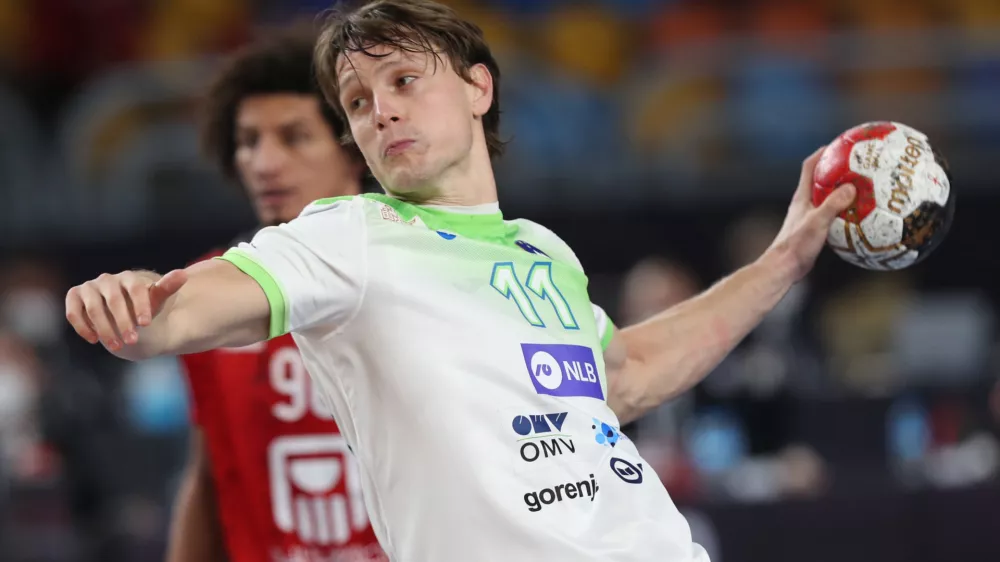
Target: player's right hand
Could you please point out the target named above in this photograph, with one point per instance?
(111, 308)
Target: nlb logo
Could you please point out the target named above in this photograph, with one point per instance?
(563, 370)
(541, 437)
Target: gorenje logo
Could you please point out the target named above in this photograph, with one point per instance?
(540, 436)
(567, 491)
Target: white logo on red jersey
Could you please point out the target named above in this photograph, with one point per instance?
(315, 486)
(290, 379)
(307, 497)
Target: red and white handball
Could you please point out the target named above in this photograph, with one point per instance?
(904, 205)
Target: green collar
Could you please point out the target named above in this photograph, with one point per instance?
(487, 227)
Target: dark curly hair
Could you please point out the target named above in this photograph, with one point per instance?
(280, 63)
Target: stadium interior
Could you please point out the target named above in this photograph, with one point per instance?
(661, 139)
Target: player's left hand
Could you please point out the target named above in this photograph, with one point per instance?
(804, 231)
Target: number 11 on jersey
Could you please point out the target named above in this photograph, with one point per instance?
(540, 283)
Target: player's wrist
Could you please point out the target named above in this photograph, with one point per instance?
(781, 264)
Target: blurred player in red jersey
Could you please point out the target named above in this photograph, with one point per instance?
(269, 478)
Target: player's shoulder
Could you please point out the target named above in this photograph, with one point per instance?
(366, 206)
(545, 241)
(324, 217)
(332, 206)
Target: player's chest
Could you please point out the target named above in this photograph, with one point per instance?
(479, 325)
(469, 282)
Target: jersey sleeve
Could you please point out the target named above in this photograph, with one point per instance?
(605, 327)
(312, 269)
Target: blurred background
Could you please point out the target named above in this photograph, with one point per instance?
(662, 139)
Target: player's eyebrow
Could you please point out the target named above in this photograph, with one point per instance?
(349, 74)
(296, 125)
(347, 77)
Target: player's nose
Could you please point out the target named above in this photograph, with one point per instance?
(386, 110)
(269, 158)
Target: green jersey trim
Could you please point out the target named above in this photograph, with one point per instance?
(609, 332)
(487, 227)
(275, 295)
(332, 200)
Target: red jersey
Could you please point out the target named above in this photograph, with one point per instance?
(281, 469)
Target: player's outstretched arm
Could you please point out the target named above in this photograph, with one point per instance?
(653, 361)
(140, 314)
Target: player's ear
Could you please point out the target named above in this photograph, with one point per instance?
(480, 89)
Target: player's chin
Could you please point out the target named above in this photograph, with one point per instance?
(406, 182)
(275, 215)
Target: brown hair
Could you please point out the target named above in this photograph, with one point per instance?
(280, 64)
(416, 26)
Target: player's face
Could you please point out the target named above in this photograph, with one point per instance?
(287, 155)
(413, 117)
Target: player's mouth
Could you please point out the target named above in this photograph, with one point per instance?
(397, 147)
(274, 197)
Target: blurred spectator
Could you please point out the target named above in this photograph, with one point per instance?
(857, 330)
(779, 356)
(652, 285)
(941, 441)
(23, 455)
(30, 303)
(759, 384)
(76, 412)
(944, 339)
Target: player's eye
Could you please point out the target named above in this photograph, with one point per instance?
(246, 141)
(405, 80)
(293, 137)
(356, 104)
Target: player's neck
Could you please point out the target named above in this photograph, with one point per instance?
(468, 184)
(465, 190)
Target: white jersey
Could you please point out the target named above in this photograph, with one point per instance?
(462, 359)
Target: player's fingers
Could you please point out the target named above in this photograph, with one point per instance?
(137, 290)
(809, 164)
(98, 315)
(837, 202)
(117, 308)
(166, 287)
(77, 316)
(804, 190)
